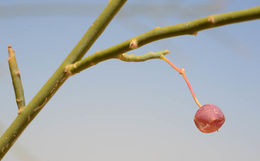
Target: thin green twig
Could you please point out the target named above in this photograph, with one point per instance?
(158, 33)
(16, 79)
(142, 58)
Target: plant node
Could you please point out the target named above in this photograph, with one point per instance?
(133, 44)
(182, 71)
(156, 28)
(194, 33)
(20, 110)
(211, 19)
(67, 70)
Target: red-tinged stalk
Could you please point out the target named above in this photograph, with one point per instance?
(182, 72)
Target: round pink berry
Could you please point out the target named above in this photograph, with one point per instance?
(209, 118)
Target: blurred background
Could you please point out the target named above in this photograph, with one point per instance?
(132, 111)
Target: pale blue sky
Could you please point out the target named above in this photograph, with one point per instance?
(133, 111)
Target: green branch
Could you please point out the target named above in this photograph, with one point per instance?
(16, 79)
(188, 28)
(58, 78)
(73, 63)
(142, 58)
(124, 57)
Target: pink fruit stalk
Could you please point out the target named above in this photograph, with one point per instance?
(182, 72)
(209, 118)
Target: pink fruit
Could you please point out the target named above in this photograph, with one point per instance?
(209, 118)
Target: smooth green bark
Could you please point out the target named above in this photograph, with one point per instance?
(188, 28)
